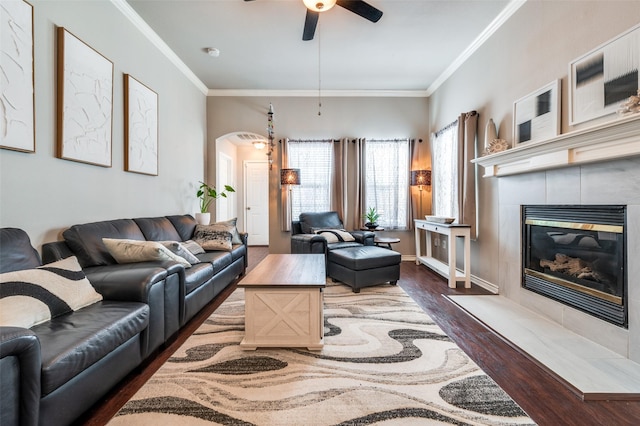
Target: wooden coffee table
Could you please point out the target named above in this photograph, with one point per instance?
(284, 303)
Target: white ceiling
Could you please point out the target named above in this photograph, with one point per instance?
(409, 50)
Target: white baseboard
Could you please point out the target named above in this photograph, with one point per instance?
(484, 284)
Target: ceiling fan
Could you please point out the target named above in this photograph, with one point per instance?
(315, 7)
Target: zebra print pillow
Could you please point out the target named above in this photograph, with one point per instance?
(33, 296)
(334, 235)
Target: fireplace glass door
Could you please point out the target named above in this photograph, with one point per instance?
(576, 255)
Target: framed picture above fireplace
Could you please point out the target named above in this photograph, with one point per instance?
(601, 80)
(537, 116)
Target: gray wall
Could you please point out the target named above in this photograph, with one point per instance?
(297, 118)
(43, 194)
(532, 49)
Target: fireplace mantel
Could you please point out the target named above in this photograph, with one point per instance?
(617, 139)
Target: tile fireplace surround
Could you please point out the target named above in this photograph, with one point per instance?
(594, 166)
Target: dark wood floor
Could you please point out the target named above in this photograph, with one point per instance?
(542, 396)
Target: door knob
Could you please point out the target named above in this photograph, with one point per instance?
(248, 208)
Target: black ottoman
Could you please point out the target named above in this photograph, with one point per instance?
(364, 266)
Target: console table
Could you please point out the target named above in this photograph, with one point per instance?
(453, 231)
(283, 302)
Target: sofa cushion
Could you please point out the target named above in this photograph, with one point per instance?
(16, 251)
(311, 220)
(214, 237)
(197, 275)
(184, 224)
(219, 259)
(86, 240)
(33, 296)
(157, 229)
(131, 251)
(73, 342)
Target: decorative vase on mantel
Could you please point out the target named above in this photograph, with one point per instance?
(203, 218)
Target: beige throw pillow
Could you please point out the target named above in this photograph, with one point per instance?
(131, 251)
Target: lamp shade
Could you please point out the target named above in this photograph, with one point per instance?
(290, 177)
(420, 177)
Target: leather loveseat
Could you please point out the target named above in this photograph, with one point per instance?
(54, 371)
(304, 238)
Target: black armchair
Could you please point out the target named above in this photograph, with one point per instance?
(305, 240)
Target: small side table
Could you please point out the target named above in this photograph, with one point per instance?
(385, 241)
(379, 228)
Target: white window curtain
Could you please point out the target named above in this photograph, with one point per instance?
(315, 159)
(453, 174)
(444, 173)
(385, 181)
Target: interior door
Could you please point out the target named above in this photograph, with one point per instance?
(256, 216)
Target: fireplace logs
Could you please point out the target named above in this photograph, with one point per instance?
(572, 266)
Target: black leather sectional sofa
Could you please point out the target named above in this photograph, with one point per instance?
(54, 371)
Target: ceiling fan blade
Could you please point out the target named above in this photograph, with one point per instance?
(310, 23)
(361, 8)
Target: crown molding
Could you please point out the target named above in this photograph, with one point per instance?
(506, 13)
(323, 94)
(155, 39)
(147, 31)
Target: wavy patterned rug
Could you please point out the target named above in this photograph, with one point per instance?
(385, 362)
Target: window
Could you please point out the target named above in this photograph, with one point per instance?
(387, 181)
(315, 161)
(444, 178)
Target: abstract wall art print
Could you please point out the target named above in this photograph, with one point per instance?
(141, 127)
(85, 102)
(537, 116)
(603, 79)
(17, 121)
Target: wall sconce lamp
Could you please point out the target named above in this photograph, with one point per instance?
(420, 178)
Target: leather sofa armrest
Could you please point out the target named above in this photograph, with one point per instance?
(308, 243)
(54, 251)
(364, 237)
(20, 366)
(131, 282)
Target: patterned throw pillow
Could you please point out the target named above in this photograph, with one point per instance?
(131, 251)
(193, 247)
(214, 237)
(235, 235)
(33, 296)
(334, 235)
(179, 249)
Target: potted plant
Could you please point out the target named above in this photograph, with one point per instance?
(207, 194)
(371, 218)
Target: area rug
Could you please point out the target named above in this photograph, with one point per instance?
(384, 362)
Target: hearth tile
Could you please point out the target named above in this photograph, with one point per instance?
(599, 331)
(592, 369)
(527, 188)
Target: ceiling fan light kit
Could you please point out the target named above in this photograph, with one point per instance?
(314, 7)
(318, 5)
